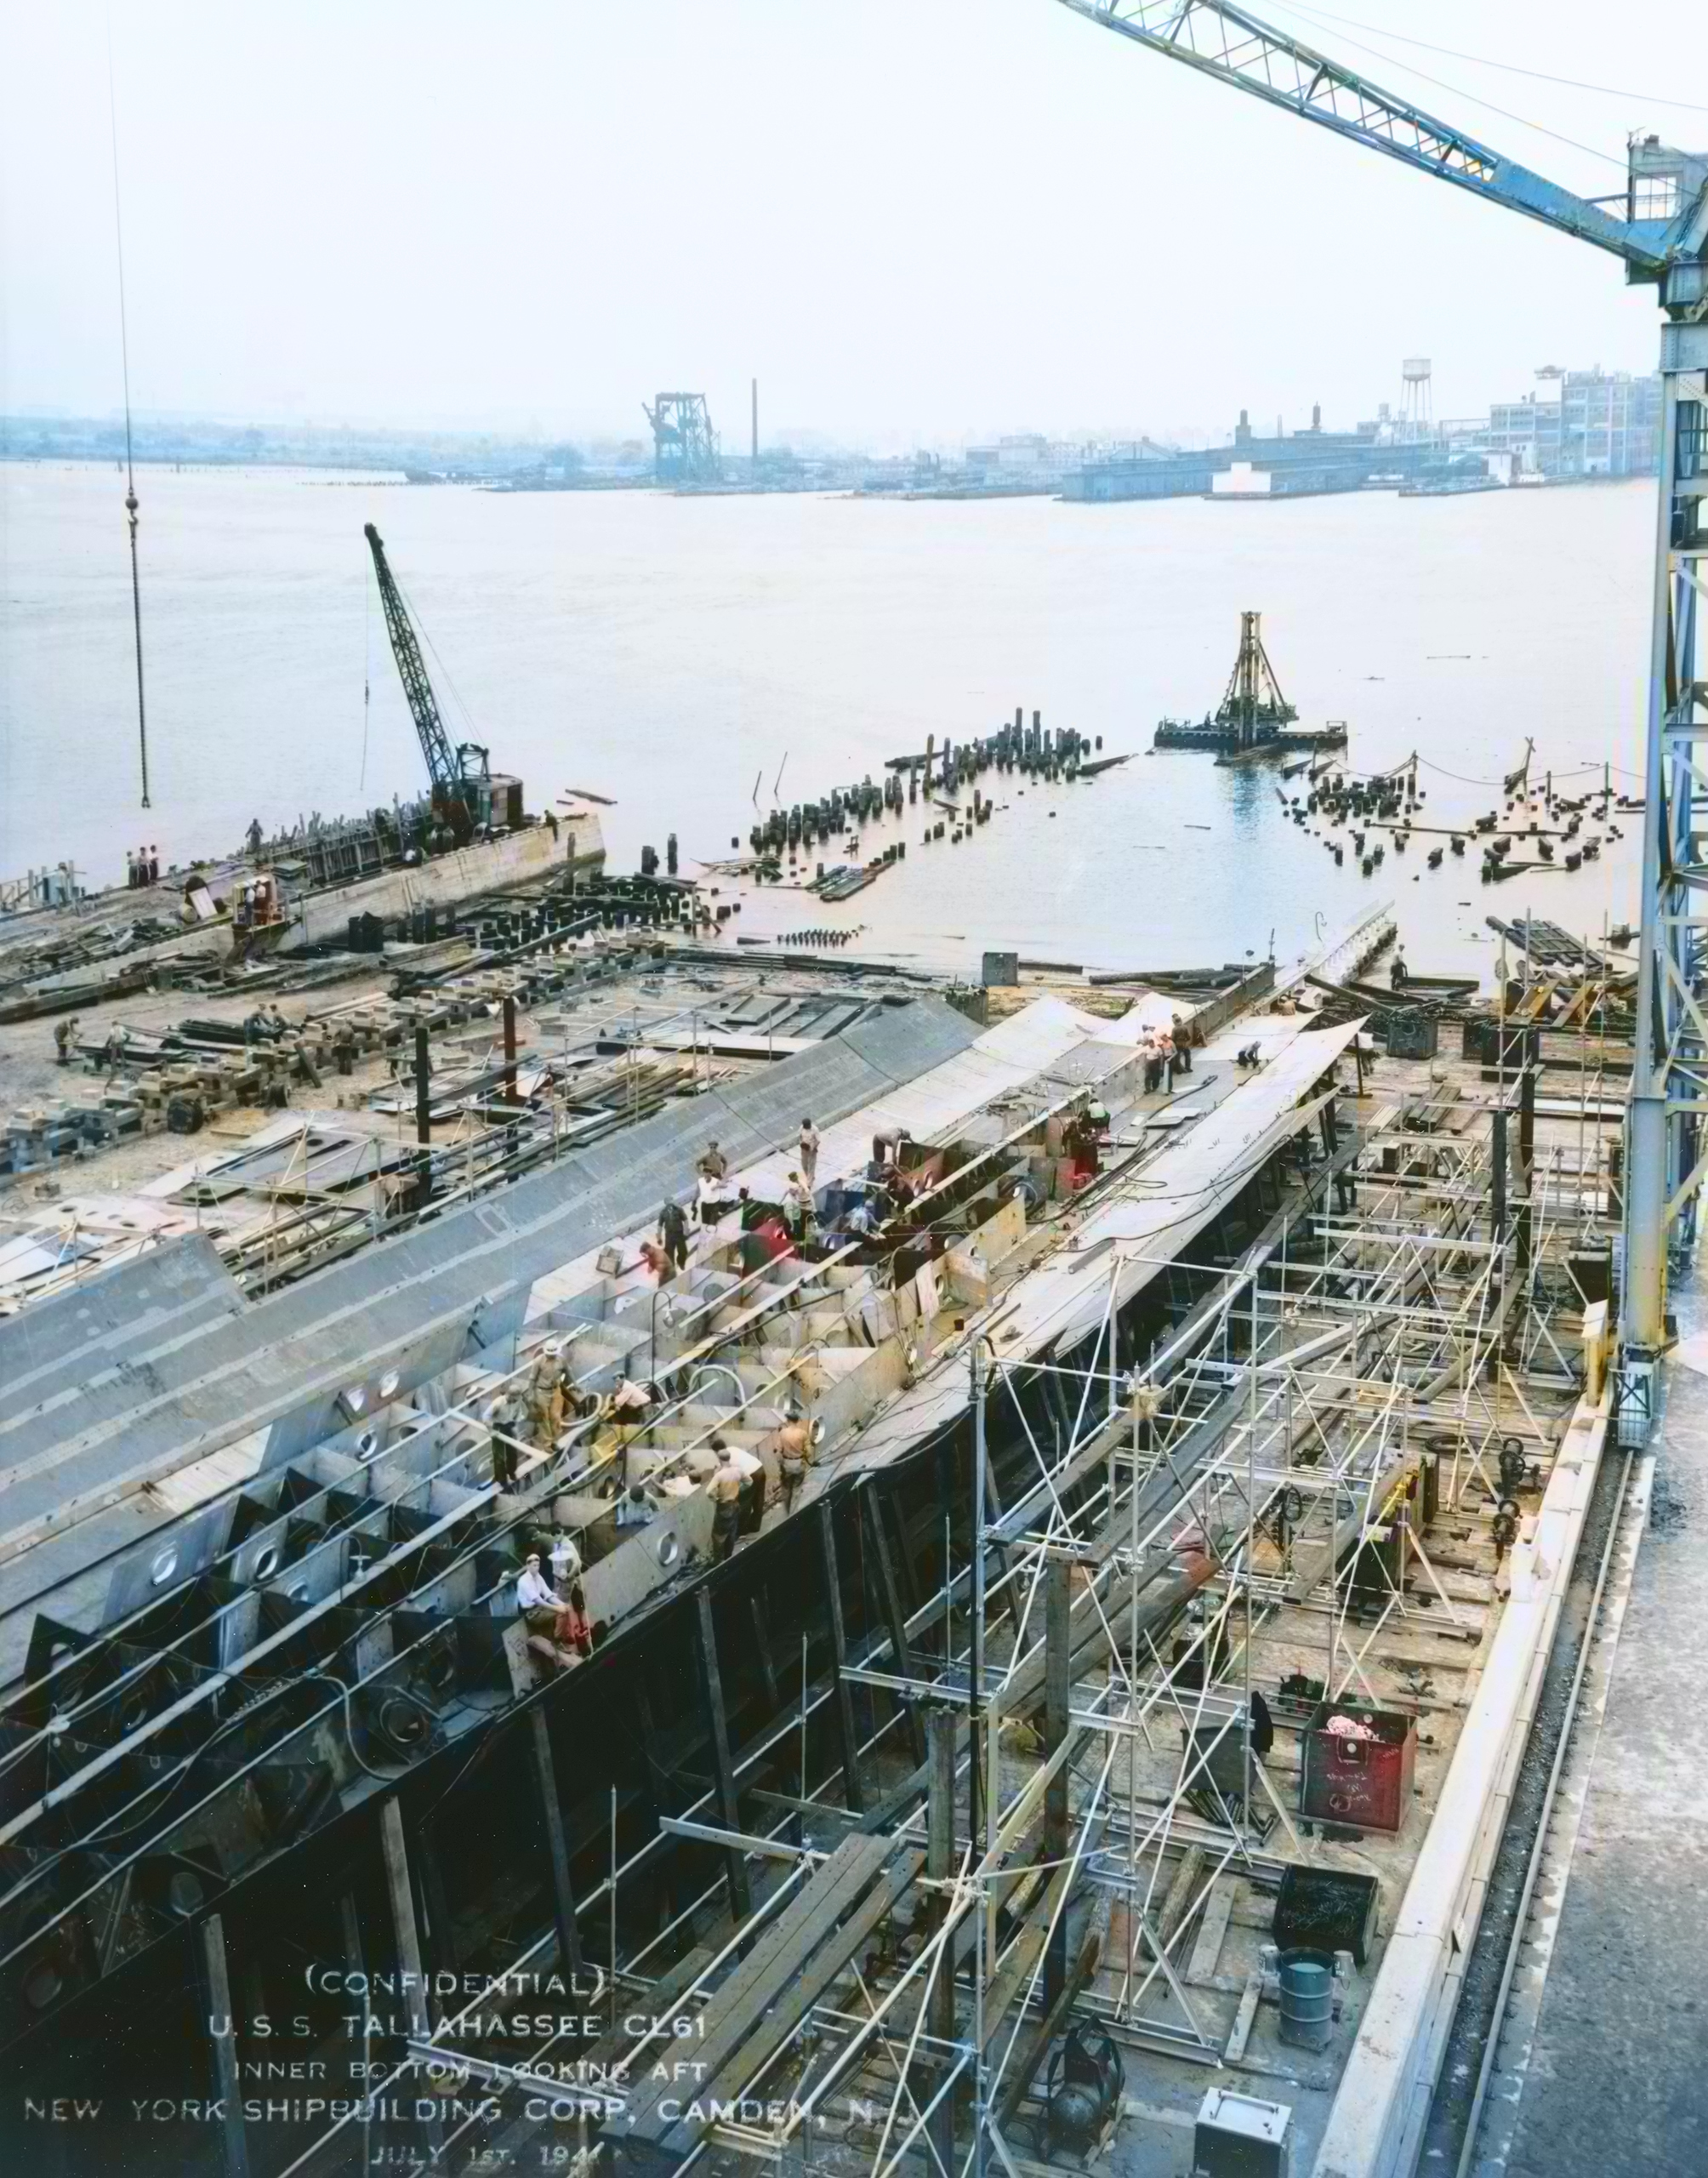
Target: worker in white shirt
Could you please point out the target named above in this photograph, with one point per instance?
(543, 1609)
(725, 1491)
(797, 1207)
(566, 1563)
(750, 1505)
(808, 1152)
(634, 1509)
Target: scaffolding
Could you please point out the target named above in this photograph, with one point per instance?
(1262, 1483)
(1008, 1774)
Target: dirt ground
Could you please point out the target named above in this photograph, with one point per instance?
(30, 1078)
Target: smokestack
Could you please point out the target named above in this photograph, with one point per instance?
(755, 423)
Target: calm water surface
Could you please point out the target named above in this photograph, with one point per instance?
(673, 653)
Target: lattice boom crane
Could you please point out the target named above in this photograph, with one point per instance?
(1659, 227)
(452, 772)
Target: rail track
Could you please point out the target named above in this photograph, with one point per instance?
(1474, 2120)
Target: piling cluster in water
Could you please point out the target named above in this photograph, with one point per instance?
(1389, 803)
(1032, 751)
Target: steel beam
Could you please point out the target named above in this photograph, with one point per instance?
(1662, 1132)
(1058, 1643)
(843, 1700)
(407, 1937)
(741, 1899)
(895, 1618)
(557, 1849)
(940, 1844)
(216, 1983)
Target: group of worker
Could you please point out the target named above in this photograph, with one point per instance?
(1166, 1053)
(556, 1607)
(265, 1025)
(141, 867)
(112, 1052)
(777, 1229)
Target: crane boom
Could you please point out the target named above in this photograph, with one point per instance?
(1662, 233)
(442, 766)
(1236, 48)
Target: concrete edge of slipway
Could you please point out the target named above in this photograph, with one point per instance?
(1383, 2103)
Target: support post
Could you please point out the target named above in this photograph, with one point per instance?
(557, 1848)
(423, 1117)
(423, 1124)
(976, 1644)
(1523, 1223)
(1662, 1136)
(216, 1983)
(350, 1925)
(993, 1509)
(509, 1047)
(895, 1618)
(1057, 1685)
(729, 1810)
(842, 1698)
(940, 1847)
(407, 1936)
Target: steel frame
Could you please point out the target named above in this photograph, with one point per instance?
(1309, 1392)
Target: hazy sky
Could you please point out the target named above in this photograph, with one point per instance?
(912, 218)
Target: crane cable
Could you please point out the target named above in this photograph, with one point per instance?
(130, 501)
(367, 668)
(1393, 60)
(1508, 67)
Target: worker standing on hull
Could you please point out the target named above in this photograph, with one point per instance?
(725, 1491)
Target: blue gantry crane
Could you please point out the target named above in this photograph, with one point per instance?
(1659, 226)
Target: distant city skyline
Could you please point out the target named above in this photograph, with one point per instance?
(914, 224)
(805, 436)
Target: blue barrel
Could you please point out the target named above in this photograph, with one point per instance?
(1307, 1998)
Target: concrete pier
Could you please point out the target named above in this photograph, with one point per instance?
(1626, 1996)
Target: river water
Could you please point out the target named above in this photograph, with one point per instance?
(678, 654)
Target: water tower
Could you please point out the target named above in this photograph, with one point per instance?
(1416, 409)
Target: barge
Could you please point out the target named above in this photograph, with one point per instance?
(1253, 719)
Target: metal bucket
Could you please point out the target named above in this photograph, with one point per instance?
(1307, 1998)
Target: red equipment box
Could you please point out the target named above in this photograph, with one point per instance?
(1357, 1765)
